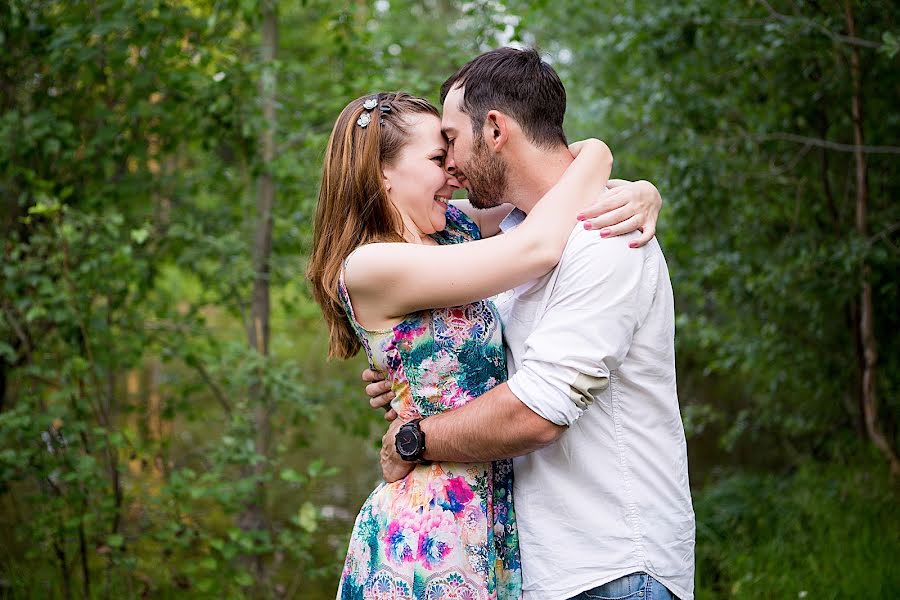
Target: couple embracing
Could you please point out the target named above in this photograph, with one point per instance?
(525, 337)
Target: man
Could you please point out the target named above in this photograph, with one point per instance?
(590, 410)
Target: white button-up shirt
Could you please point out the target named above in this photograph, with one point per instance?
(591, 346)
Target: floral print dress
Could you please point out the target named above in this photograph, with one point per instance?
(447, 530)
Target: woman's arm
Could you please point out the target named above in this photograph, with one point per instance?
(388, 281)
(487, 219)
(625, 207)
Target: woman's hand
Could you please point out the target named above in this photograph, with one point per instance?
(627, 206)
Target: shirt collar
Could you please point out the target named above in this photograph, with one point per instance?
(512, 220)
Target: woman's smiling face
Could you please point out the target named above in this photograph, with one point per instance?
(416, 182)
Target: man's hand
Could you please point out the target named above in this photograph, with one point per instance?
(379, 393)
(393, 467)
(625, 207)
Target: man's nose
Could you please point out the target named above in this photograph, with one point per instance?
(449, 163)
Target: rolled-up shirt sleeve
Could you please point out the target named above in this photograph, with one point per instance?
(602, 292)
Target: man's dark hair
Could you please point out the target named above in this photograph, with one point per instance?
(517, 83)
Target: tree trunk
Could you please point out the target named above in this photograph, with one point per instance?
(258, 326)
(866, 326)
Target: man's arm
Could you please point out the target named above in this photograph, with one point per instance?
(583, 335)
(493, 426)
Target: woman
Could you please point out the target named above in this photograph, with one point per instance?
(392, 276)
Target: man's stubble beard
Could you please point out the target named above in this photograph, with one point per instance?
(486, 173)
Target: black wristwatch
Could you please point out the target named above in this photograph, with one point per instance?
(410, 442)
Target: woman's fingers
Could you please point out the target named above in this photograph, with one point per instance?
(626, 226)
(613, 217)
(646, 235)
(609, 200)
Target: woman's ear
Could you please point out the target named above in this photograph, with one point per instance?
(496, 130)
(386, 180)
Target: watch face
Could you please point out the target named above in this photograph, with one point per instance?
(408, 442)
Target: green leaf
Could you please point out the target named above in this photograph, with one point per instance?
(140, 235)
(45, 206)
(292, 476)
(116, 540)
(315, 467)
(7, 352)
(243, 579)
(891, 44)
(34, 313)
(307, 517)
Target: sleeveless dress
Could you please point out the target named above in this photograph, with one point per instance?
(448, 530)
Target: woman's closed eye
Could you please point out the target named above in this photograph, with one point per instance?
(439, 159)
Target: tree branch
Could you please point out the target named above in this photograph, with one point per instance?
(837, 37)
(828, 144)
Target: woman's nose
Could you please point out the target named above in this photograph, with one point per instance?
(452, 181)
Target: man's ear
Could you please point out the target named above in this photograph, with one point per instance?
(496, 130)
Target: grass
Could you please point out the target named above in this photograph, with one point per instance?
(824, 531)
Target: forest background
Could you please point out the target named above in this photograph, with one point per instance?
(169, 426)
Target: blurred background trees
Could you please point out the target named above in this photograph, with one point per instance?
(168, 423)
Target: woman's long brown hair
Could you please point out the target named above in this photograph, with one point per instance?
(354, 207)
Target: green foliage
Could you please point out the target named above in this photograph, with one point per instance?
(128, 161)
(723, 105)
(800, 535)
(128, 156)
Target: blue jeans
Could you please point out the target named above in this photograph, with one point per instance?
(637, 586)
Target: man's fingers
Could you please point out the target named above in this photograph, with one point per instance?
(371, 376)
(382, 401)
(392, 467)
(390, 415)
(378, 388)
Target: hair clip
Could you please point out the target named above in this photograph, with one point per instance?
(385, 109)
(369, 105)
(365, 118)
